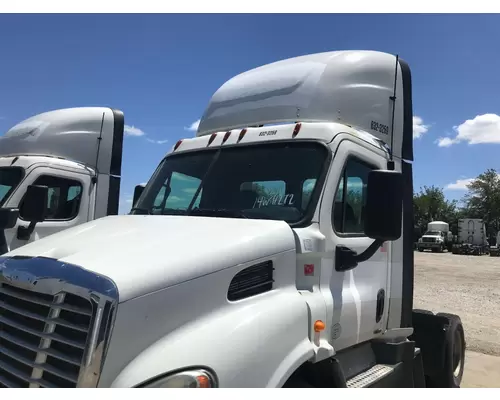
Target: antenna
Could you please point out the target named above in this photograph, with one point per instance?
(390, 164)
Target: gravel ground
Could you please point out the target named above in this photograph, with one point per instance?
(468, 286)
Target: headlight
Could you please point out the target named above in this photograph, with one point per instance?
(186, 379)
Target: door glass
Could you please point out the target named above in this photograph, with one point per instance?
(63, 197)
(350, 199)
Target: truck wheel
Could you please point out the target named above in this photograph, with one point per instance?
(420, 249)
(454, 361)
(417, 310)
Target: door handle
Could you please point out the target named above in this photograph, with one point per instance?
(380, 305)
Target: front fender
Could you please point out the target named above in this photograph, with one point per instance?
(258, 343)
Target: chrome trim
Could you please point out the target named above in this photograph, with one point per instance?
(52, 277)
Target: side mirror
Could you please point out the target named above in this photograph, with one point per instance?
(383, 217)
(8, 217)
(35, 203)
(137, 193)
(384, 205)
(34, 209)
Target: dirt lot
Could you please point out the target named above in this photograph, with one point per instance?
(468, 286)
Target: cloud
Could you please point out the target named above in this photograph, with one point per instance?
(190, 190)
(445, 142)
(418, 127)
(460, 184)
(193, 127)
(481, 129)
(133, 131)
(157, 141)
(128, 200)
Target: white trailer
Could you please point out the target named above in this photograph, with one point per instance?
(274, 249)
(76, 154)
(472, 237)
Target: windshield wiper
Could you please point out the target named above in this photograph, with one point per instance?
(218, 212)
(142, 211)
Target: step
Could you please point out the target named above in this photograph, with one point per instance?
(370, 376)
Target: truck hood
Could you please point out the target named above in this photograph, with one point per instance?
(142, 254)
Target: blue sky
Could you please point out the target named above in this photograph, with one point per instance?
(162, 69)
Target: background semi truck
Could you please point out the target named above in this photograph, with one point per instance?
(437, 237)
(76, 153)
(274, 249)
(495, 250)
(472, 238)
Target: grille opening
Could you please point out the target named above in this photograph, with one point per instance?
(77, 301)
(27, 293)
(251, 281)
(68, 350)
(15, 365)
(13, 380)
(14, 348)
(74, 318)
(19, 334)
(57, 381)
(63, 366)
(23, 305)
(22, 320)
(72, 334)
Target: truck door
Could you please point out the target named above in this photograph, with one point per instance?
(68, 203)
(360, 295)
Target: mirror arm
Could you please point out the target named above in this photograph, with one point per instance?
(25, 232)
(347, 259)
(4, 248)
(369, 252)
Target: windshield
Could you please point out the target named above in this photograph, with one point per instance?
(9, 179)
(433, 233)
(266, 181)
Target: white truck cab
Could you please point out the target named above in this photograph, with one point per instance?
(76, 155)
(274, 249)
(438, 237)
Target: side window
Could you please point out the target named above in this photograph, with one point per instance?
(177, 193)
(350, 199)
(64, 197)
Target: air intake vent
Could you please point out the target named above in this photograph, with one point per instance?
(251, 281)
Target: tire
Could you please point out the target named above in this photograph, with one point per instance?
(454, 353)
(420, 249)
(419, 311)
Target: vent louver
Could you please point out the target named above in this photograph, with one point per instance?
(251, 281)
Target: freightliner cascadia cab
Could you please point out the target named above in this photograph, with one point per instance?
(68, 161)
(274, 249)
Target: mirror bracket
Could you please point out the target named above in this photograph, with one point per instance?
(347, 259)
(25, 232)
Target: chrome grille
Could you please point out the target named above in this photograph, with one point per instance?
(55, 323)
(428, 239)
(42, 338)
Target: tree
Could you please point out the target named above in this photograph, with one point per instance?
(430, 204)
(483, 199)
